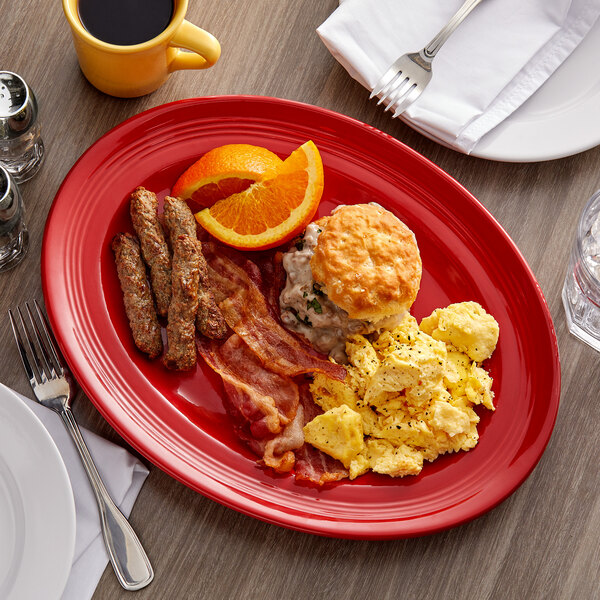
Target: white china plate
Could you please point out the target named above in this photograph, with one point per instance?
(37, 511)
(561, 119)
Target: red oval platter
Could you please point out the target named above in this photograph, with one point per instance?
(178, 421)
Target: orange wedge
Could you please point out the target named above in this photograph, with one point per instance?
(273, 210)
(224, 171)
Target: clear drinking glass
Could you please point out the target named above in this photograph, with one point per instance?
(21, 145)
(14, 238)
(581, 291)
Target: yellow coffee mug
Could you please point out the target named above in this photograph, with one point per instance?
(130, 71)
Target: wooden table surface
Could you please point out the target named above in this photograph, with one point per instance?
(542, 542)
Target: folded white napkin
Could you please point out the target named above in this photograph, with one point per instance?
(123, 475)
(496, 59)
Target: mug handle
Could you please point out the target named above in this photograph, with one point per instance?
(204, 46)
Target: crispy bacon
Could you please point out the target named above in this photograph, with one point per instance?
(264, 401)
(274, 276)
(247, 313)
(312, 465)
(257, 363)
(268, 411)
(278, 452)
(263, 405)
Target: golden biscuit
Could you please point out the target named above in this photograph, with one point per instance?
(368, 262)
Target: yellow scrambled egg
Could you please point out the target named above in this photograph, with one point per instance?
(409, 393)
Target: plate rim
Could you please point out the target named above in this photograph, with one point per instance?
(218, 491)
(51, 454)
(494, 145)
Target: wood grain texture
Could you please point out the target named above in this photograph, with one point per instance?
(543, 542)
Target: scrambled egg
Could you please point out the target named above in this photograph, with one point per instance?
(409, 393)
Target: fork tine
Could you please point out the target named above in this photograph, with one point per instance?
(36, 351)
(28, 353)
(399, 92)
(50, 340)
(22, 351)
(385, 90)
(384, 81)
(46, 355)
(409, 98)
(389, 89)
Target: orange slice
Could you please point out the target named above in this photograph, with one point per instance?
(273, 210)
(224, 171)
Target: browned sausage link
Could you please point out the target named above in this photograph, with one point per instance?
(137, 296)
(180, 221)
(144, 216)
(209, 318)
(181, 330)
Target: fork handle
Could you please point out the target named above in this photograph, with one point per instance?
(438, 41)
(127, 556)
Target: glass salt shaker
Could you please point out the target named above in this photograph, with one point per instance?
(581, 290)
(21, 146)
(14, 237)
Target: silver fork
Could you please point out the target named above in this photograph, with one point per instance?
(52, 388)
(410, 74)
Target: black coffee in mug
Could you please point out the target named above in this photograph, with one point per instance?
(125, 22)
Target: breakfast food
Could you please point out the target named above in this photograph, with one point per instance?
(180, 282)
(180, 221)
(209, 318)
(137, 297)
(224, 171)
(246, 311)
(144, 216)
(368, 262)
(466, 327)
(356, 271)
(181, 326)
(338, 432)
(263, 405)
(313, 466)
(408, 397)
(273, 210)
(392, 393)
(262, 366)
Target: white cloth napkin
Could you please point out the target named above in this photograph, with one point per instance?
(123, 475)
(496, 59)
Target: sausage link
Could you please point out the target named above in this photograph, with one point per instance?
(181, 330)
(179, 220)
(209, 318)
(137, 296)
(144, 216)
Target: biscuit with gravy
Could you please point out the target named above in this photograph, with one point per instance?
(368, 262)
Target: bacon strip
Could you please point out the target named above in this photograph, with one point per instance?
(247, 313)
(278, 453)
(274, 276)
(263, 405)
(263, 401)
(312, 465)
(256, 364)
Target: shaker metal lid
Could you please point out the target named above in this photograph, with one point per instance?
(18, 106)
